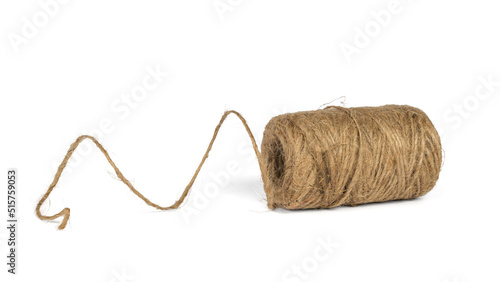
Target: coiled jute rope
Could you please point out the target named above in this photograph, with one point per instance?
(325, 158)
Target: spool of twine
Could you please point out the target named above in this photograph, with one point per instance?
(326, 158)
(349, 156)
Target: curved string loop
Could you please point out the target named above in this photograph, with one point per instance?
(66, 211)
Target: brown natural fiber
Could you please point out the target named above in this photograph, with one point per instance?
(326, 158)
(349, 156)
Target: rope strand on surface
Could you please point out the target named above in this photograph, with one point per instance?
(66, 211)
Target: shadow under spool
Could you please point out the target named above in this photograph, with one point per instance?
(349, 156)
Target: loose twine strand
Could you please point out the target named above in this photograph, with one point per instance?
(66, 211)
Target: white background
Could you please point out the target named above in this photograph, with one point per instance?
(261, 58)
